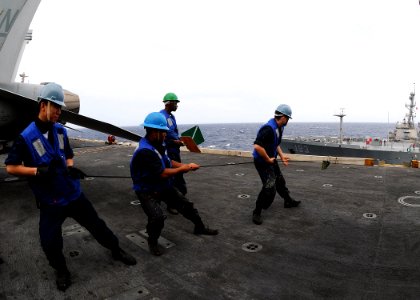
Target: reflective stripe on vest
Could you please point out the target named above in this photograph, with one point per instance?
(60, 189)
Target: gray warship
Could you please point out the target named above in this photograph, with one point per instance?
(401, 146)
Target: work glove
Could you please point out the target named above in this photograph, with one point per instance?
(76, 173)
(43, 171)
(44, 175)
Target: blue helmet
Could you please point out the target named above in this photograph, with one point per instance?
(52, 92)
(156, 120)
(283, 109)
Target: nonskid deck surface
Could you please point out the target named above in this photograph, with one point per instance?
(356, 235)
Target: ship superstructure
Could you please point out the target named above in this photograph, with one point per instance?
(406, 130)
(400, 147)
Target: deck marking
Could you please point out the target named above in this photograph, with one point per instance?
(161, 241)
(401, 200)
(251, 247)
(74, 253)
(369, 215)
(141, 240)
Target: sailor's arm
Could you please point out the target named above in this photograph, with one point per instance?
(177, 168)
(261, 151)
(16, 157)
(21, 170)
(283, 157)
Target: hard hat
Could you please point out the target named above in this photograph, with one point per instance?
(283, 109)
(52, 92)
(170, 97)
(156, 120)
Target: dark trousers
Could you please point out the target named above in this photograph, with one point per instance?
(272, 180)
(150, 202)
(81, 210)
(179, 181)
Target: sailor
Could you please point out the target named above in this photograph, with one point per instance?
(266, 149)
(43, 154)
(152, 173)
(173, 142)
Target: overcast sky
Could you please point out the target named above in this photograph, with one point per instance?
(230, 60)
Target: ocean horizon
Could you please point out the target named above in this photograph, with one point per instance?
(241, 136)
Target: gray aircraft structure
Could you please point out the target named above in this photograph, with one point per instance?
(18, 105)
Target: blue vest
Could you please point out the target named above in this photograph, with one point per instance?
(272, 149)
(172, 134)
(61, 189)
(142, 181)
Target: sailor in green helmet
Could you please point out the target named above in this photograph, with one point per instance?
(173, 142)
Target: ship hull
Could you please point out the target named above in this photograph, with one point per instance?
(386, 155)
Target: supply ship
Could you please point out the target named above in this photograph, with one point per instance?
(401, 146)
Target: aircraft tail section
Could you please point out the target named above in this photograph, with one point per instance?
(15, 18)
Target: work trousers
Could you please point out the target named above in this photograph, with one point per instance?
(82, 211)
(272, 180)
(179, 181)
(150, 202)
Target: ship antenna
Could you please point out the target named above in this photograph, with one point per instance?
(411, 112)
(341, 115)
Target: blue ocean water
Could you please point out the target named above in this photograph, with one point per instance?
(240, 136)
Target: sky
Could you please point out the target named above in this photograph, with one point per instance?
(230, 61)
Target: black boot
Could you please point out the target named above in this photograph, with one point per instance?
(256, 218)
(201, 229)
(63, 279)
(154, 248)
(289, 202)
(124, 257)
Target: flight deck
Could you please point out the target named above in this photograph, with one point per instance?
(356, 234)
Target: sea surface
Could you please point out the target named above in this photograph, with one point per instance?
(240, 136)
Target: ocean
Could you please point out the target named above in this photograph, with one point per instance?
(240, 136)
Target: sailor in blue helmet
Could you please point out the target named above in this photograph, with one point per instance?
(266, 150)
(152, 172)
(173, 142)
(43, 154)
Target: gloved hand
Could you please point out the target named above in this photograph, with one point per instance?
(76, 173)
(43, 171)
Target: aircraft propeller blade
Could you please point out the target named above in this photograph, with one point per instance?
(97, 125)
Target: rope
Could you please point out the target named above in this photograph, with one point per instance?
(107, 176)
(227, 164)
(205, 166)
(129, 177)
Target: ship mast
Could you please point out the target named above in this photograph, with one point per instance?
(411, 106)
(341, 115)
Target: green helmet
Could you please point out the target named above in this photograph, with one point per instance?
(170, 97)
